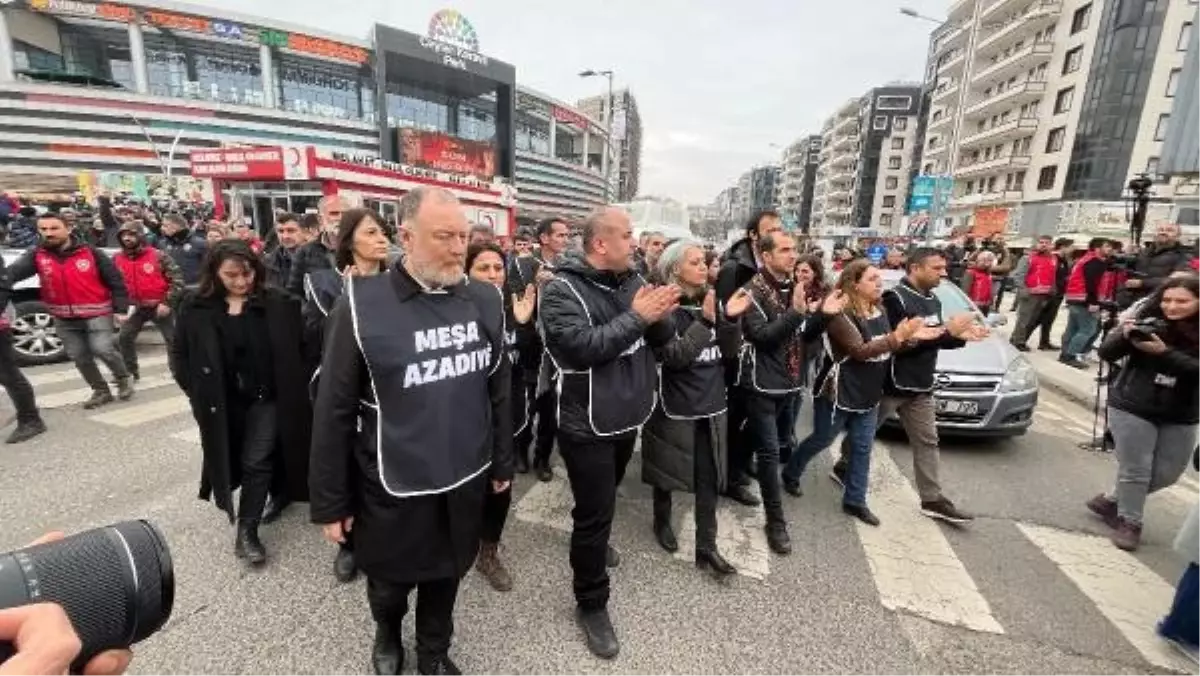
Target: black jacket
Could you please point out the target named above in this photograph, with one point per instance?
(188, 251)
(768, 334)
(279, 266)
(1153, 266)
(522, 271)
(956, 262)
(1159, 388)
(197, 363)
(309, 258)
(738, 267)
(586, 341)
(914, 366)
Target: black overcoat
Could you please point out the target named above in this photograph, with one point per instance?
(197, 364)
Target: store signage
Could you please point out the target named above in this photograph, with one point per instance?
(452, 38)
(178, 22)
(265, 163)
(227, 29)
(419, 173)
(567, 116)
(447, 153)
(84, 9)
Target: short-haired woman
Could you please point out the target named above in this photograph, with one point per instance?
(237, 355)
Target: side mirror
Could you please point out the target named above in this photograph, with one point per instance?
(993, 320)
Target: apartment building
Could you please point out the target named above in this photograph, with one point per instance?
(756, 191)
(797, 177)
(626, 135)
(865, 162)
(1037, 104)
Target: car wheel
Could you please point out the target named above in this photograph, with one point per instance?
(35, 340)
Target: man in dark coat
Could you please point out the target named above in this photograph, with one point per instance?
(1154, 264)
(317, 254)
(412, 427)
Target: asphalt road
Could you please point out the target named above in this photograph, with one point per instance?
(1033, 586)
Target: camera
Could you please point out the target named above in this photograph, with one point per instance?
(115, 583)
(1146, 328)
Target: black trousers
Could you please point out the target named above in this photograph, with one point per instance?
(495, 514)
(1046, 320)
(545, 409)
(15, 382)
(595, 465)
(254, 423)
(435, 610)
(127, 336)
(738, 457)
(769, 424)
(705, 482)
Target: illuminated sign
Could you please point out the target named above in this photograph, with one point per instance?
(451, 27)
(413, 172)
(177, 22)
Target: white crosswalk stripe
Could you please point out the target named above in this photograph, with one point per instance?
(79, 395)
(140, 414)
(68, 375)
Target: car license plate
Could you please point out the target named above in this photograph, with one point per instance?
(957, 407)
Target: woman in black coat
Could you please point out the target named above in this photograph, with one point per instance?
(237, 355)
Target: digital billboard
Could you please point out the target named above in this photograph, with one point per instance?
(443, 152)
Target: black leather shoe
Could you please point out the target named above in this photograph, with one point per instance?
(741, 494)
(544, 473)
(665, 535)
(862, 513)
(778, 539)
(792, 488)
(712, 560)
(612, 558)
(344, 568)
(598, 629)
(441, 664)
(522, 464)
(387, 655)
(26, 431)
(275, 507)
(248, 546)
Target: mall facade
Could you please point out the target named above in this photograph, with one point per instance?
(119, 96)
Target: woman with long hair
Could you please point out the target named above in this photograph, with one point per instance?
(361, 248)
(809, 274)
(485, 263)
(860, 341)
(684, 441)
(1152, 404)
(237, 355)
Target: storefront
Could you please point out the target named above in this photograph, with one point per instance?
(257, 182)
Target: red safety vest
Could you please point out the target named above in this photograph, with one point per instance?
(144, 278)
(1077, 286)
(981, 288)
(71, 286)
(1039, 281)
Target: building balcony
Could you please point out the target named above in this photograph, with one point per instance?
(987, 198)
(842, 160)
(1018, 62)
(837, 211)
(953, 66)
(953, 37)
(996, 165)
(936, 125)
(934, 151)
(841, 177)
(846, 124)
(1038, 16)
(1007, 131)
(837, 195)
(1007, 99)
(945, 96)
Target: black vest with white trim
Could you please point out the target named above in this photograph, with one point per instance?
(858, 385)
(697, 391)
(429, 358)
(913, 371)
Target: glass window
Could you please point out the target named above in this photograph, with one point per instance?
(891, 183)
(897, 144)
(203, 70)
(1160, 129)
(1062, 102)
(1185, 36)
(417, 108)
(1152, 166)
(894, 162)
(1054, 141)
(885, 220)
(315, 88)
(889, 201)
(900, 123)
(1072, 60)
(1173, 81)
(880, 122)
(29, 57)
(893, 102)
(1046, 177)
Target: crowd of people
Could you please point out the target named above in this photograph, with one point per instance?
(397, 379)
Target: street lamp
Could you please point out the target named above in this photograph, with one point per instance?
(935, 211)
(607, 128)
(909, 11)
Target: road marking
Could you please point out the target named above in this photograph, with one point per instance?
(548, 503)
(78, 396)
(740, 537)
(67, 375)
(190, 435)
(1129, 594)
(143, 413)
(914, 567)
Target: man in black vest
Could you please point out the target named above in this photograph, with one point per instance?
(596, 317)
(908, 391)
(412, 427)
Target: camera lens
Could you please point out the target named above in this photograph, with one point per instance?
(116, 583)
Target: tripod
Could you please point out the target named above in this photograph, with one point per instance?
(1099, 441)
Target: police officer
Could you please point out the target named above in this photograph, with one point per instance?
(412, 427)
(595, 316)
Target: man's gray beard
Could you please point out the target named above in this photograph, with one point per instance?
(431, 275)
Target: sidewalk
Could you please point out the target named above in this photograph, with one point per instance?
(1078, 386)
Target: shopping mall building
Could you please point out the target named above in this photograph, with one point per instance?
(108, 95)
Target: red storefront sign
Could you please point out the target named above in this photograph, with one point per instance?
(447, 153)
(268, 163)
(569, 117)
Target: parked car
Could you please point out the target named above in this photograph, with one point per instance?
(986, 388)
(34, 338)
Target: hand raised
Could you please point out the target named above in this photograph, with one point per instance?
(523, 304)
(709, 307)
(738, 303)
(834, 303)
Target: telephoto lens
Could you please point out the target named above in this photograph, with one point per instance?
(115, 583)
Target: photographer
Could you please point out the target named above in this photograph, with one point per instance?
(1154, 264)
(1152, 404)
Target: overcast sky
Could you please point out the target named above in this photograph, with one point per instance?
(717, 81)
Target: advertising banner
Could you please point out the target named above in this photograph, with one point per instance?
(447, 153)
(989, 221)
(569, 117)
(270, 163)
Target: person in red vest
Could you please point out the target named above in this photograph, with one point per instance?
(155, 285)
(977, 281)
(1090, 283)
(1034, 281)
(81, 289)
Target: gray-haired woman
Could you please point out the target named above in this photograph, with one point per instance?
(684, 442)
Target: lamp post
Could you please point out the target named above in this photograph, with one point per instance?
(608, 117)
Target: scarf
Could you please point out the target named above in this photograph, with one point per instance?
(773, 294)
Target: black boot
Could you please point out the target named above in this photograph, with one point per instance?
(598, 630)
(439, 664)
(26, 430)
(387, 655)
(248, 546)
(344, 568)
(99, 398)
(522, 464)
(275, 506)
(778, 539)
(710, 558)
(741, 494)
(542, 467)
(662, 521)
(125, 388)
